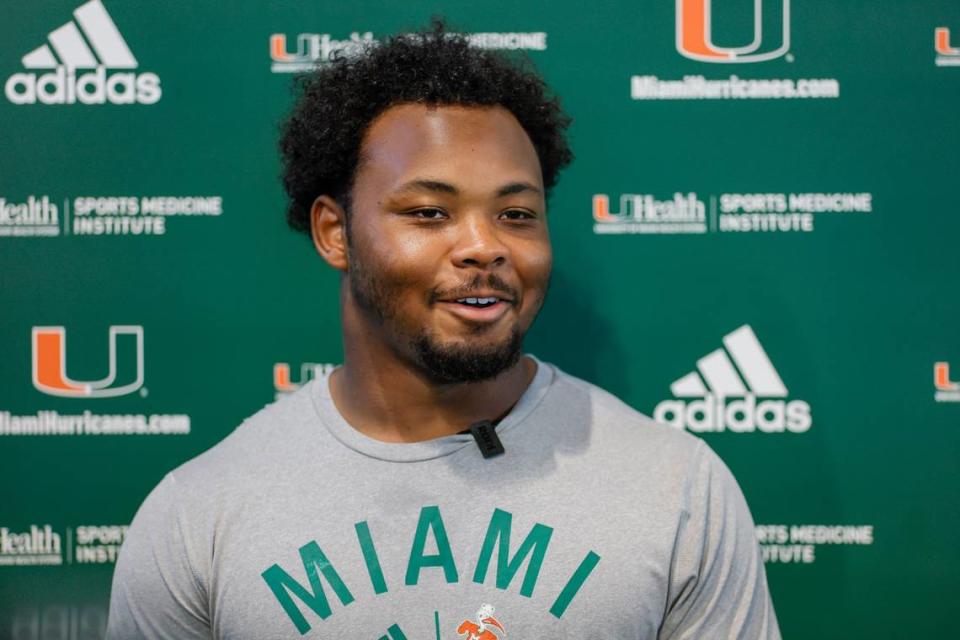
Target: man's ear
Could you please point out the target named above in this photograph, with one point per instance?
(328, 228)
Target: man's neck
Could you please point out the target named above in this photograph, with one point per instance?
(389, 400)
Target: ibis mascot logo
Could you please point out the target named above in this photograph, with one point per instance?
(483, 627)
(91, 43)
(695, 34)
(737, 389)
(49, 346)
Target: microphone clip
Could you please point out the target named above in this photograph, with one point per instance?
(485, 435)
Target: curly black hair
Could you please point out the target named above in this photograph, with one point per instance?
(335, 104)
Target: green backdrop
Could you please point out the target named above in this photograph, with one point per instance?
(795, 175)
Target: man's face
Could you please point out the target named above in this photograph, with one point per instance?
(449, 253)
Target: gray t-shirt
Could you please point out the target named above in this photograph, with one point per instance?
(595, 523)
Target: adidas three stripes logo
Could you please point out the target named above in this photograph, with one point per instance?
(91, 41)
(735, 388)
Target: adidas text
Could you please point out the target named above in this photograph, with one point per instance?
(747, 414)
(63, 86)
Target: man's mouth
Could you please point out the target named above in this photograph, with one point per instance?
(476, 297)
(479, 302)
(482, 308)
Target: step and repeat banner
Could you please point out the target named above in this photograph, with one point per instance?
(759, 242)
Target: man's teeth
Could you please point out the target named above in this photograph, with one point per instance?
(478, 300)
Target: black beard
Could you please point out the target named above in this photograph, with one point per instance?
(440, 364)
(464, 364)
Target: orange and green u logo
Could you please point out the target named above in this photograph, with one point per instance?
(941, 42)
(695, 33)
(49, 346)
(941, 377)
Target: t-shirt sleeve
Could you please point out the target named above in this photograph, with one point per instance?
(718, 586)
(156, 592)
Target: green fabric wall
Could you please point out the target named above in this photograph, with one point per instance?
(853, 308)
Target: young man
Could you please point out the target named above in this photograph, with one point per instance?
(362, 506)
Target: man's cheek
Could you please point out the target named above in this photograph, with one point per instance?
(539, 284)
(536, 259)
(538, 270)
(412, 269)
(398, 265)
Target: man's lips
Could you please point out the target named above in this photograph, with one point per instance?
(471, 307)
(478, 295)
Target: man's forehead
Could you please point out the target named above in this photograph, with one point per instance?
(416, 139)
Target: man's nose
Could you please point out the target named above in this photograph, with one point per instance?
(479, 244)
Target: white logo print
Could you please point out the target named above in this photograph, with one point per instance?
(92, 42)
(728, 392)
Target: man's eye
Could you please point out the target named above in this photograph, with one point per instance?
(428, 214)
(517, 214)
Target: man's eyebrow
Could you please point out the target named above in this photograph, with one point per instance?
(428, 185)
(517, 187)
(439, 186)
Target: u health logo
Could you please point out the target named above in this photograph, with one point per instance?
(283, 383)
(49, 346)
(946, 389)
(947, 55)
(695, 32)
(41, 545)
(313, 49)
(92, 42)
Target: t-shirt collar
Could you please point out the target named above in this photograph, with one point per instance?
(427, 449)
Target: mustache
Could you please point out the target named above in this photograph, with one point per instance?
(492, 282)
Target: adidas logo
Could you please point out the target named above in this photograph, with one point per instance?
(91, 42)
(736, 389)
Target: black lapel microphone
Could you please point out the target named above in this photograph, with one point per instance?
(485, 435)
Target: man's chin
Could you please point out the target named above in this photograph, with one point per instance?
(466, 361)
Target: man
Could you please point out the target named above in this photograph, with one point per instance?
(439, 484)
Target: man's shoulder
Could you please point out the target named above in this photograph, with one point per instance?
(192, 501)
(615, 423)
(261, 441)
